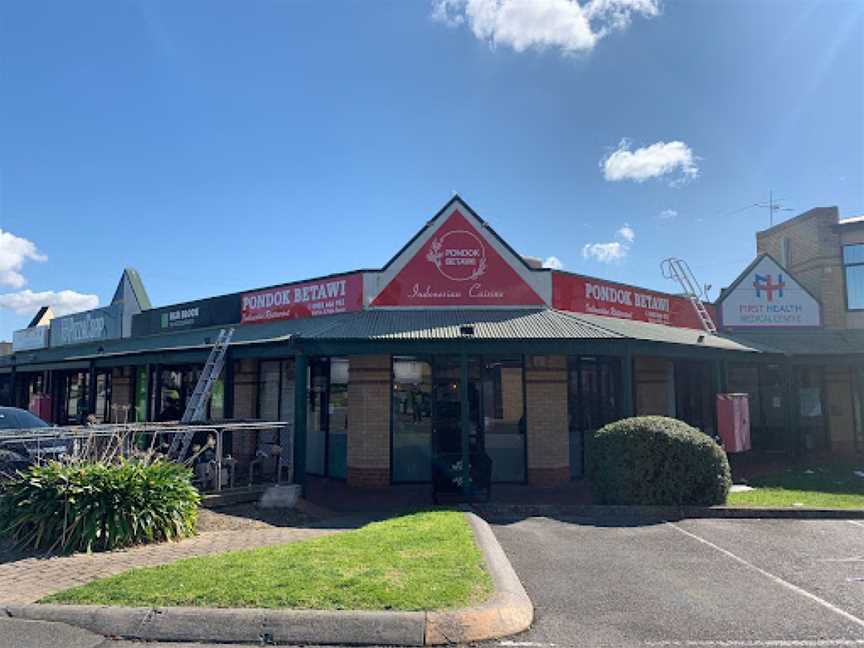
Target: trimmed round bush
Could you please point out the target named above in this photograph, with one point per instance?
(656, 460)
(98, 506)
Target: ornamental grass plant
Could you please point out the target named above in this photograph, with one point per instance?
(98, 506)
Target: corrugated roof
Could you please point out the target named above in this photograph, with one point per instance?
(515, 324)
(667, 334)
(821, 342)
(422, 325)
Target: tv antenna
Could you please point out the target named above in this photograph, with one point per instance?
(773, 205)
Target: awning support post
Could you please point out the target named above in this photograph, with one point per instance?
(301, 365)
(466, 427)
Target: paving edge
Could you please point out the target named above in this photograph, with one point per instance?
(507, 611)
(597, 511)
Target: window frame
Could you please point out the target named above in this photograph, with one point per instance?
(846, 267)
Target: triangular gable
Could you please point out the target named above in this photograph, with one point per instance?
(130, 290)
(767, 295)
(42, 317)
(457, 260)
(133, 297)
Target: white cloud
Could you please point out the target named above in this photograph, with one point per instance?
(605, 252)
(652, 161)
(566, 25)
(14, 251)
(64, 302)
(553, 263)
(613, 250)
(618, 14)
(626, 232)
(667, 214)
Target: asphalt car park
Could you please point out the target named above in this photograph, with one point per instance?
(701, 583)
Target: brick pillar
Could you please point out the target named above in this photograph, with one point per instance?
(243, 444)
(369, 421)
(548, 433)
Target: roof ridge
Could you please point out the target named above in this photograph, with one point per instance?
(576, 317)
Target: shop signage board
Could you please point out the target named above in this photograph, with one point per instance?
(191, 315)
(90, 326)
(327, 296)
(458, 265)
(579, 294)
(29, 339)
(766, 295)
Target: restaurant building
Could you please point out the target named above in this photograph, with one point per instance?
(460, 340)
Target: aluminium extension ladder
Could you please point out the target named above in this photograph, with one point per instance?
(201, 394)
(679, 270)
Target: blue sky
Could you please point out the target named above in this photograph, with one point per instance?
(219, 146)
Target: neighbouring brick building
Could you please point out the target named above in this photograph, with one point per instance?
(461, 348)
(826, 255)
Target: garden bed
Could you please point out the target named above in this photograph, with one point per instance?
(415, 562)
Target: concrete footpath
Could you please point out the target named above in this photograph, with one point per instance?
(507, 611)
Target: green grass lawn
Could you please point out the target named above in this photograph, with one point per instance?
(821, 487)
(415, 562)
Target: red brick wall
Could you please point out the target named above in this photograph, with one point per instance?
(548, 435)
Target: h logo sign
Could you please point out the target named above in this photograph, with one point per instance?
(764, 283)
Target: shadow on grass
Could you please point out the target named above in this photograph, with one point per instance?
(837, 480)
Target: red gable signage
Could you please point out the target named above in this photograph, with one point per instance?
(594, 296)
(457, 266)
(306, 299)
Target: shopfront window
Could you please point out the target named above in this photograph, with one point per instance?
(811, 412)
(29, 385)
(102, 409)
(412, 420)
(853, 264)
(142, 388)
(275, 403)
(858, 404)
(503, 412)
(176, 386)
(268, 390)
(327, 417)
(594, 399)
(276, 391)
(217, 400)
(172, 395)
(694, 394)
(427, 414)
(766, 388)
(74, 410)
(337, 424)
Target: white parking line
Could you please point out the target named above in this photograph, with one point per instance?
(849, 617)
(763, 643)
(856, 523)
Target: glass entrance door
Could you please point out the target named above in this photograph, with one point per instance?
(811, 412)
(447, 406)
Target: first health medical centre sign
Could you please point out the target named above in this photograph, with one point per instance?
(767, 296)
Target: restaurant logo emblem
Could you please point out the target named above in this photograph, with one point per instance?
(764, 283)
(459, 255)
